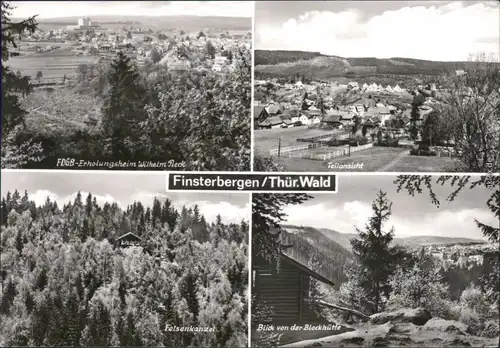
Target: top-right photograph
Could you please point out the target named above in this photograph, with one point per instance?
(377, 86)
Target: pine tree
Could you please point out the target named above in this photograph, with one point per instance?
(374, 253)
(156, 213)
(15, 152)
(123, 108)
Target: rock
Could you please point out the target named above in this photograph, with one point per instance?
(380, 342)
(417, 316)
(450, 326)
(400, 340)
(457, 342)
(353, 340)
(315, 344)
(404, 328)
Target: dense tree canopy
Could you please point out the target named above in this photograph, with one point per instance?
(66, 283)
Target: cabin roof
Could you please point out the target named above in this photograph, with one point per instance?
(128, 236)
(306, 270)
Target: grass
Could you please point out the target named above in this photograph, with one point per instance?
(267, 139)
(59, 112)
(53, 64)
(426, 164)
(373, 159)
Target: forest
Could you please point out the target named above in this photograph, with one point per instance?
(145, 113)
(65, 282)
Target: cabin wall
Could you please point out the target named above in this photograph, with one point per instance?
(283, 290)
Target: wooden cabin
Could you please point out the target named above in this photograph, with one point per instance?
(128, 240)
(285, 290)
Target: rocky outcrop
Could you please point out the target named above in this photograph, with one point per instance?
(417, 316)
(406, 327)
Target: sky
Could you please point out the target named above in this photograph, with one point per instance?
(411, 216)
(431, 30)
(57, 9)
(123, 188)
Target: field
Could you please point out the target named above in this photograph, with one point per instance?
(53, 64)
(61, 111)
(267, 139)
(375, 159)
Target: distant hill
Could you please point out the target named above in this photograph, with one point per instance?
(414, 241)
(320, 66)
(332, 249)
(306, 242)
(187, 23)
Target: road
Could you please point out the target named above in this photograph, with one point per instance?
(392, 163)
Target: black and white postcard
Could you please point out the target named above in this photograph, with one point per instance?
(132, 85)
(387, 261)
(377, 86)
(110, 260)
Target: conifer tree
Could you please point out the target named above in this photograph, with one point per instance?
(374, 253)
(123, 107)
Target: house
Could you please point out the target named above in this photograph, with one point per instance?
(217, 67)
(382, 113)
(353, 85)
(220, 60)
(305, 119)
(128, 240)
(274, 108)
(286, 289)
(179, 66)
(332, 119)
(294, 112)
(273, 122)
(259, 115)
(372, 88)
(346, 117)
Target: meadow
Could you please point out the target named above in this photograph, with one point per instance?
(375, 159)
(267, 139)
(53, 64)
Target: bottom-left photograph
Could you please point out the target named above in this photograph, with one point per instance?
(112, 259)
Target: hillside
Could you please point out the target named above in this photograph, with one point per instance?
(280, 63)
(187, 23)
(308, 242)
(343, 239)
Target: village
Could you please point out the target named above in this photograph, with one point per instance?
(72, 62)
(461, 255)
(89, 43)
(318, 120)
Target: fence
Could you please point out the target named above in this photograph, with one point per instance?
(322, 136)
(330, 155)
(290, 149)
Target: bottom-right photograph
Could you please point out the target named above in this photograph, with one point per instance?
(387, 260)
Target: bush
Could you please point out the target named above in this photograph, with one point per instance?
(388, 143)
(420, 152)
(472, 320)
(358, 141)
(491, 329)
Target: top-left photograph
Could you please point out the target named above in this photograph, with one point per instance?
(126, 85)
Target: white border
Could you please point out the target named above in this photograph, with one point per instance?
(249, 256)
(163, 172)
(252, 91)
